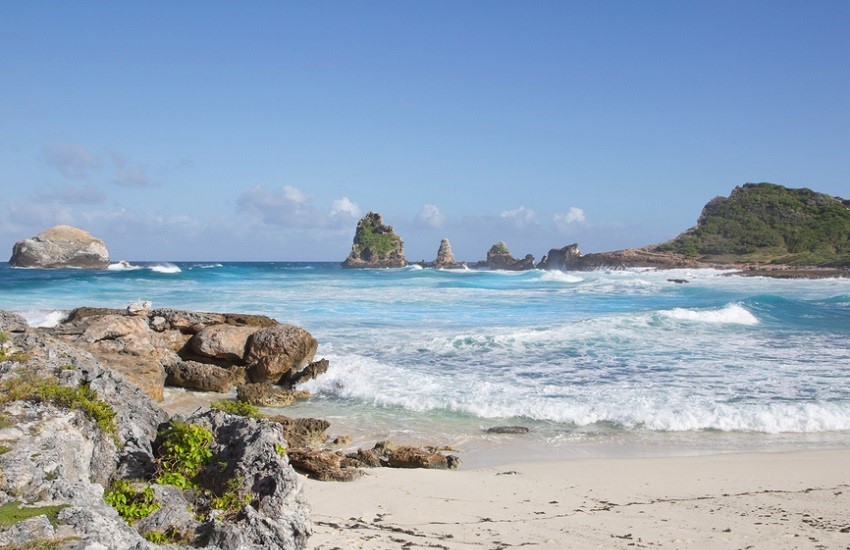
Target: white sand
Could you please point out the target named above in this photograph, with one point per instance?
(763, 500)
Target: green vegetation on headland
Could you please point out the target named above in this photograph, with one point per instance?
(765, 223)
(379, 243)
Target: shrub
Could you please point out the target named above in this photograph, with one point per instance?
(239, 408)
(185, 449)
(130, 502)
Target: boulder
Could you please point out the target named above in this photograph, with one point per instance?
(199, 376)
(375, 245)
(322, 465)
(267, 395)
(273, 351)
(222, 341)
(12, 322)
(58, 247)
(303, 432)
(499, 257)
(418, 457)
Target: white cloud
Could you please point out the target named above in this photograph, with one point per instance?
(72, 161)
(286, 207)
(344, 208)
(431, 216)
(520, 217)
(572, 217)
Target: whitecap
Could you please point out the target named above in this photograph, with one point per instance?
(730, 314)
(123, 266)
(165, 268)
(560, 277)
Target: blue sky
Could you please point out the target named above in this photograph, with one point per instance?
(263, 130)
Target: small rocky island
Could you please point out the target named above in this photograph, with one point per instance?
(375, 245)
(58, 247)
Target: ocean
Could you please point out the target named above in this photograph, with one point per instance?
(620, 362)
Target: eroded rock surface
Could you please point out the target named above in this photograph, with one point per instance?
(58, 247)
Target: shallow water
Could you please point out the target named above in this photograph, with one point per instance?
(622, 361)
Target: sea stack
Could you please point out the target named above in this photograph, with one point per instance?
(499, 257)
(446, 258)
(58, 247)
(375, 245)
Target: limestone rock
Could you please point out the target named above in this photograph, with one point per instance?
(418, 457)
(375, 245)
(267, 395)
(248, 450)
(446, 258)
(273, 351)
(222, 341)
(58, 247)
(12, 322)
(499, 257)
(199, 376)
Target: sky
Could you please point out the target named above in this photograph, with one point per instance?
(263, 130)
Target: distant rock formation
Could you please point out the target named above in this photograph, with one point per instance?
(58, 247)
(375, 245)
(446, 258)
(560, 258)
(499, 257)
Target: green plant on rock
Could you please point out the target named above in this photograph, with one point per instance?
(238, 408)
(131, 503)
(185, 449)
(232, 500)
(31, 387)
(280, 449)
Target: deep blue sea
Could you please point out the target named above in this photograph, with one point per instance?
(592, 362)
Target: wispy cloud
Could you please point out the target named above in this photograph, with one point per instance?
(127, 175)
(70, 194)
(521, 217)
(285, 207)
(569, 219)
(430, 216)
(344, 208)
(72, 161)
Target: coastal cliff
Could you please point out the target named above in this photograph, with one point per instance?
(375, 245)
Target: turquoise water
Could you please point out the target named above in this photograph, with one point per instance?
(602, 357)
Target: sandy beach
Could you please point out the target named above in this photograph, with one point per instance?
(754, 500)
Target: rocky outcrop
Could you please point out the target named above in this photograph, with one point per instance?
(58, 247)
(195, 350)
(499, 257)
(303, 432)
(446, 258)
(621, 259)
(66, 453)
(375, 245)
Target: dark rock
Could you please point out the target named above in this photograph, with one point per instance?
(199, 376)
(246, 320)
(58, 247)
(311, 371)
(560, 258)
(375, 245)
(303, 432)
(272, 352)
(267, 395)
(363, 458)
(677, 281)
(418, 457)
(508, 430)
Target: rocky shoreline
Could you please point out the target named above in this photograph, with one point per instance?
(90, 459)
